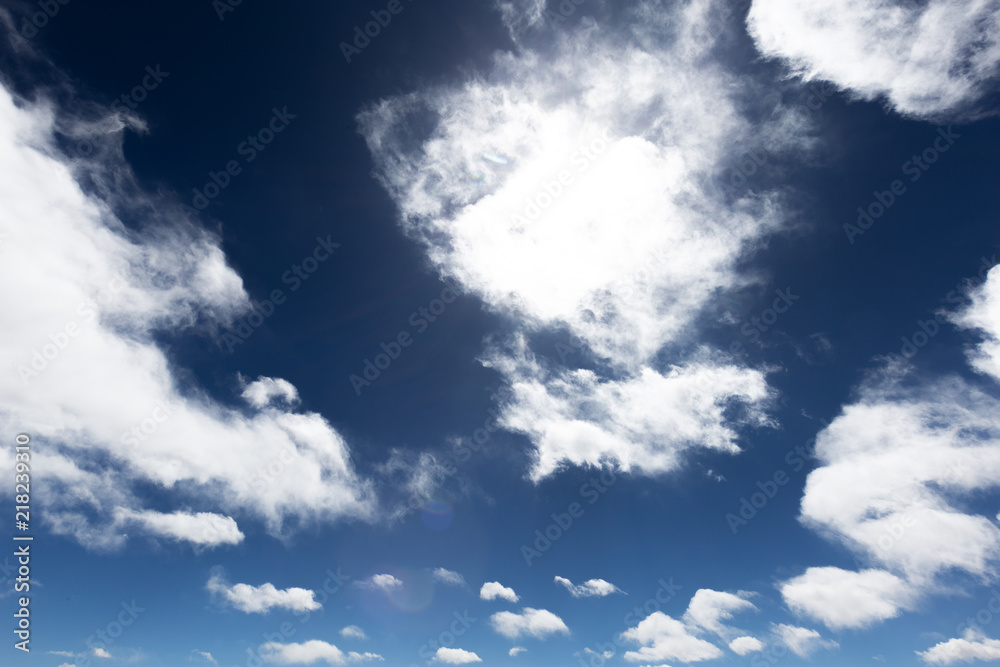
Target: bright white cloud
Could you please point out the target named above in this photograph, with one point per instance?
(746, 645)
(448, 577)
(844, 599)
(494, 589)
(983, 315)
(264, 390)
(311, 652)
(972, 646)
(537, 623)
(662, 638)
(367, 656)
(203, 529)
(383, 582)
(261, 599)
(623, 252)
(353, 632)
(203, 655)
(931, 59)
(100, 653)
(94, 297)
(709, 608)
(455, 656)
(590, 588)
(803, 642)
(516, 651)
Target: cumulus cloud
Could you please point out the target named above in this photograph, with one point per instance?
(516, 651)
(931, 59)
(448, 577)
(709, 608)
(844, 599)
(353, 632)
(662, 638)
(100, 653)
(568, 188)
(972, 646)
(310, 652)
(96, 298)
(983, 315)
(264, 390)
(261, 599)
(803, 642)
(746, 645)
(494, 589)
(590, 588)
(537, 623)
(203, 529)
(382, 582)
(455, 656)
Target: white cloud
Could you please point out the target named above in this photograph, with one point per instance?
(448, 577)
(309, 652)
(984, 316)
(746, 645)
(264, 390)
(623, 254)
(516, 651)
(663, 638)
(67, 664)
(455, 656)
(590, 588)
(803, 642)
(203, 529)
(492, 590)
(261, 599)
(100, 653)
(709, 608)
(537, 623)
(383, 582)
(353, 632)
(931, 59)
(972, 646)
(95, 297)
(844, 599)
(203, 655)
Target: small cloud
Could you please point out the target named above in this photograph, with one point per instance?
(493, 590)
(101, 653)
(383, 582)
(261, 599)
(353, 632)
(65, 654)
(455, 656)
(203, 655)
(537, 623)
(265, 390)
(448, 577)
(745, 645)
(973, 645)
(364, 657)
(516, 651)
(802, 641)
(588, 589)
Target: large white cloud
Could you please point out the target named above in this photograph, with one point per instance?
(261, 599)
(932, 58)
(202, 529)
(664, 638)
(567, 187)
(537, 623)
(93, 296)
(845, 599)
(971, 647)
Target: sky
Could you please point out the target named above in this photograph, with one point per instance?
(512, 332)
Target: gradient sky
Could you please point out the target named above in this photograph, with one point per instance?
(513, 332)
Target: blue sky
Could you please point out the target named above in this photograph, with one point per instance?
(513, 332)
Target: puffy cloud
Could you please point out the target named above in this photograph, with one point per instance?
(494, 589)
(803, 642)
(931, 59)
(516, 651)
(353, 632)
(95, 299)
(261, 599)
(448, 577)
(309, 652)
(844, 599)
(100, 653)
(203, 529)
(709, 608)
(972, 646)
(383, 582)
(537, 623)
(455, 656)
(264, 390)
(590, 588)
(569, 190)
(983, 315)
(664, 638)
(746, 645)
